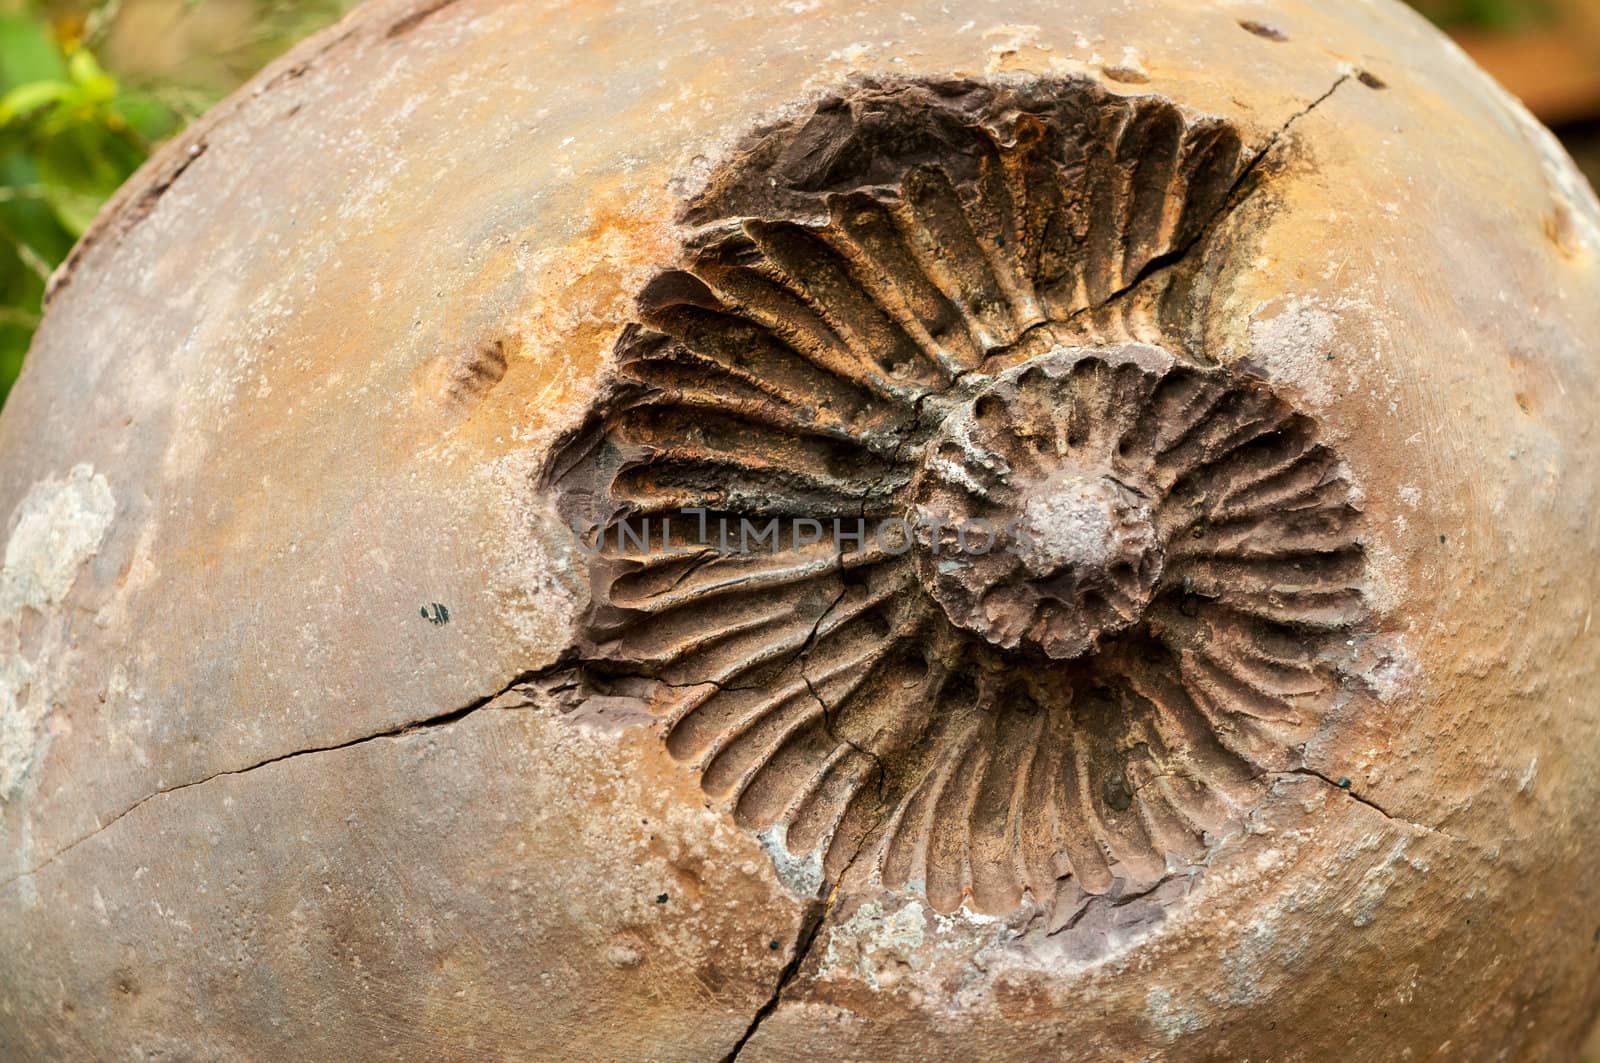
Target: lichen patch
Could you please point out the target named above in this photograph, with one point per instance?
(56, 529)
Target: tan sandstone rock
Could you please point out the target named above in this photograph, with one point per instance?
(1262, 335)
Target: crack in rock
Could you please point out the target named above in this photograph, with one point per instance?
(1346, 789)
(440, 720)
(1237, 193)
(804, 941)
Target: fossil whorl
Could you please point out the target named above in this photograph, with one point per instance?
(921, 313)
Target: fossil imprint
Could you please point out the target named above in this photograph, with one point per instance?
(930, 306)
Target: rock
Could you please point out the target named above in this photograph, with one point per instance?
(1156, 449)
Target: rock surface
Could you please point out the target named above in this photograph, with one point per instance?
(308, 743)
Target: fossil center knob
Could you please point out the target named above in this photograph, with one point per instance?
(1084, 527)
(1030, 526)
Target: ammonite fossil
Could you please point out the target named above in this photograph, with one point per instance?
(833, 529)
(1039, 597)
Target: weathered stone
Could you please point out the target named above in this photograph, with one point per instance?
(1259, 334)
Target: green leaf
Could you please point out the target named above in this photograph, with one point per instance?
(93, 83)
(23, 100)
(28, 220)
(28, 53)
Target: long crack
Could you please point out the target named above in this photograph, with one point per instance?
(809, 929)
(828, 725)
(443, 719)
(818, 914)
(1237, 193)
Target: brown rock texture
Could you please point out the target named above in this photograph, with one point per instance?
(359, 697)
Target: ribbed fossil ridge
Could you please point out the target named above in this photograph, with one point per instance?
(944, 298)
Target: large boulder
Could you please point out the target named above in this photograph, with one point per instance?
(357, 701)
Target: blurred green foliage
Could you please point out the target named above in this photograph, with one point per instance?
(72, 128)
(69, 136)
(1489, 15)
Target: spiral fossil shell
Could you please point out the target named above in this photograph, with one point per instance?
(949, 316)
